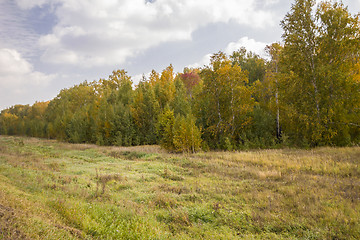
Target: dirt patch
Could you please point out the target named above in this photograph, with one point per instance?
(8, 224)
(75, 232)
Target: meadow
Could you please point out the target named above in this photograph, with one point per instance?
(56, 190)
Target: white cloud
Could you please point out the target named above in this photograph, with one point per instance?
(16, 74)
(205, 61)
(98, 32)
(250, 45)
(271, 2)
(59, 56)
(354, 5)
(138, 77)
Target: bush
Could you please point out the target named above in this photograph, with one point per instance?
(186, 135)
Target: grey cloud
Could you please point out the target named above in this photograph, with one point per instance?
(16, 31)
(138, 39)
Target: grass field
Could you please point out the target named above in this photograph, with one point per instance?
(54, 190)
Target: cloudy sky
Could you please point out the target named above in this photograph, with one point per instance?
(48, 45)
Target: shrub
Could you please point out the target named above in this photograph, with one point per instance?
(186, 135)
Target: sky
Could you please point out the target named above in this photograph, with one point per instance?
(49, 45)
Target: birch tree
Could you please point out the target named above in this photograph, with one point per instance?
(321, 51)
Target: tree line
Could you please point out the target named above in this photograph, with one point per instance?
(306, 94)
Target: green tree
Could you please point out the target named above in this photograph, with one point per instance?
(186, 135)
(12, 120)
(227, 100)
(78, 130)
(250, 62)
(8, 123)
(61, 109)
(164, 86)
(145, 110)
(114, 123)
(339, 45)
(271, 83)
(180, 103)
(321, 51)
(35, 122)
(165, 129)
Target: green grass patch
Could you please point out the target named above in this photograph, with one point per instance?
(54, 190)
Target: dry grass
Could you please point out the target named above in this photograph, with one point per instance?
(56, 190)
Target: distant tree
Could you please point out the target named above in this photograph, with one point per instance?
(35, 122)
(227, 99)
(8, 123)
(164, 86)
(250, 62)
(114, 120)
(191, 79)
(165, 129)
(78, 130)
(61, 109)
(12, 120)
(145, 110)
(180, 103)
